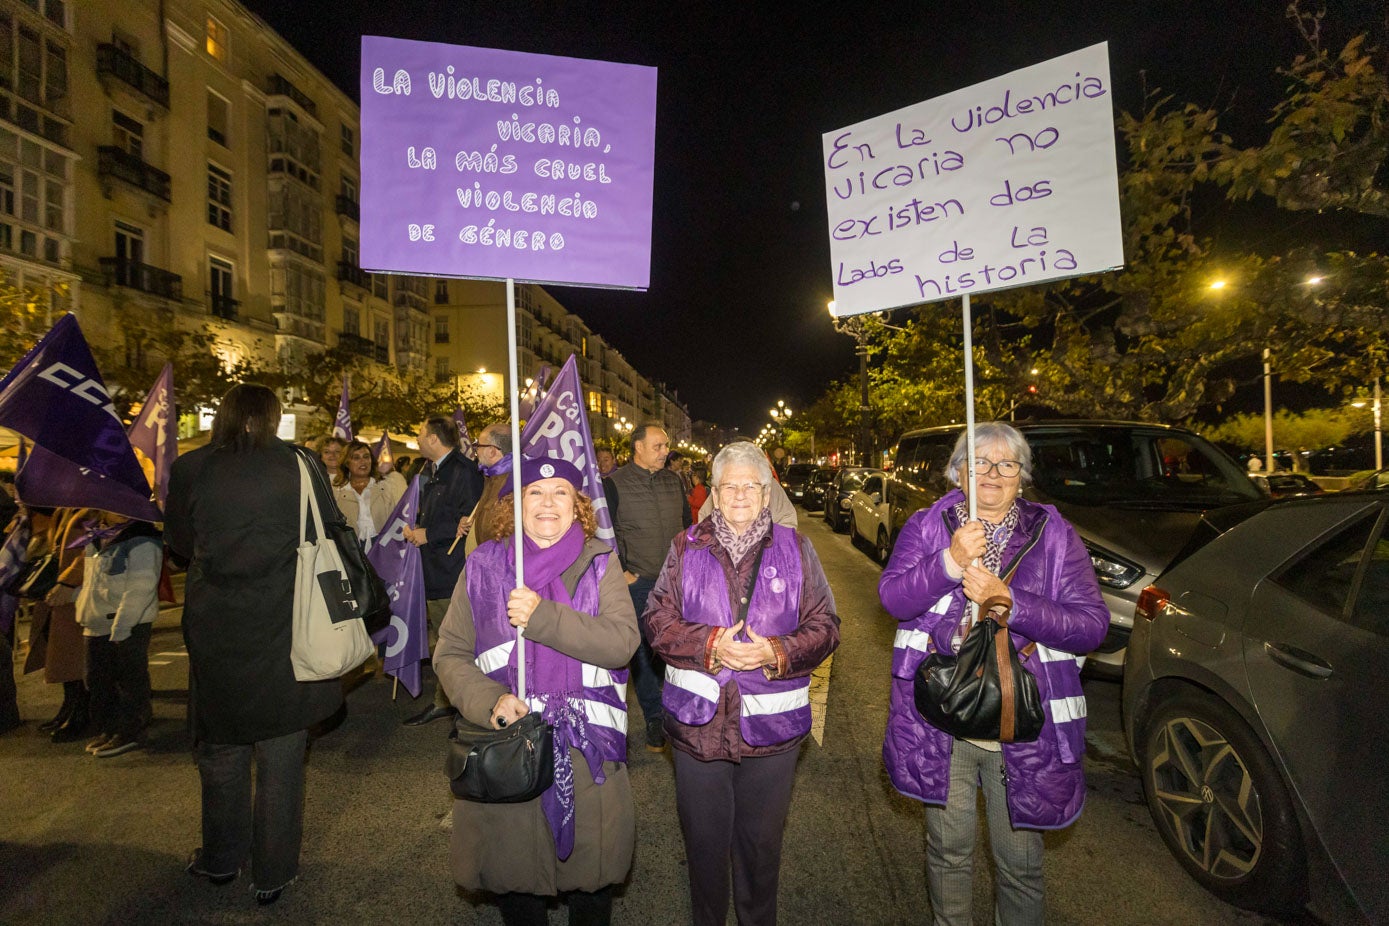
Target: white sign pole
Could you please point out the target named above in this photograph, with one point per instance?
(969, 429)
(516, 473)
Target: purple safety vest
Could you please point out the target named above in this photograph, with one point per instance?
(604, 695)
(773, 710)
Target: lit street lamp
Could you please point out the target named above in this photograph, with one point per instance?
(1379, 432)
(856, 327)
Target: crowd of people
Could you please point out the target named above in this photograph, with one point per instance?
(711, 602)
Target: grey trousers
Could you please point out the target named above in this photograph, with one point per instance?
(435, 609)
(734, 811)
(950, 835)
(270, 827)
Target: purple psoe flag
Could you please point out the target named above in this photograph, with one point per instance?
(465, 443)
(397, 561)
(382, 453)
(559, 428)
(82, 455)
(342, 422)
(155, 431)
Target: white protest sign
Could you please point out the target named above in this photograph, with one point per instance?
(1010, 182)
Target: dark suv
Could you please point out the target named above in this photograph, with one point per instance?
(1133, 491)
(795, 478)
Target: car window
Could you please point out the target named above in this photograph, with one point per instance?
(905, 464)
(1323, 575)
(935, 461)
(1371, 610)
(1135, 466)
(873, 484)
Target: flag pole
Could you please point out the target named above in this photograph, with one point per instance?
(515, 393)
(969, 425)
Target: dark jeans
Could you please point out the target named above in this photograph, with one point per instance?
(585, 909)
(9, 703)
(271, 829)
(734, 812)
(118, 678)
(648, 670)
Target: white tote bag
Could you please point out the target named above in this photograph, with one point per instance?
(328, 640)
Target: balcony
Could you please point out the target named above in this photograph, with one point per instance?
(132, 274)
(222, 306)
(281, 87)
(349, 272)
(383, 353)
(347, 206)
(115, 62)
(357, 345)
(115, 163)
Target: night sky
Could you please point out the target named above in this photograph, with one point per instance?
(735, 318)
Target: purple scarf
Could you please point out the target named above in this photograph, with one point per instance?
(500, 468)
(558, 681)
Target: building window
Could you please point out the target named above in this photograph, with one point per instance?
(218, 118)
(349, 142)
(349, 251)
(351, 320)
(219, 201)
(218, 39)
(441, 368)
(56, 11)
(53, 206)
(128, 134)
(219, 288)
(441, 329)
(383, 334)
(30, 65)
(130, 243)
(348, 187)
(441, 292)
(379, 285)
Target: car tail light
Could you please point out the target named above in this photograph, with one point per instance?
(1151, 601)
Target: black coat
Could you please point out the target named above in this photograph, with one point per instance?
(235, 518)
(450, 494)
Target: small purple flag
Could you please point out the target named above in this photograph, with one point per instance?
(559, 428)
(14, 556)
(82, 456)
(155, 431)
(342, 422)
(385, 460)
(465, 443)
(397, 561)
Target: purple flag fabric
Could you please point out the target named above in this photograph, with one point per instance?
(155, 431)
(342, 422)
(397, 561)
(534, 393)
(559, 428)
(465, 443)
(383, 455)
(82, 456)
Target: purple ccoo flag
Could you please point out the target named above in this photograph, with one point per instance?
(382, 454)
(465, 443)
(397, 561)
(342, 422)
(559, 428)
(155, 431)
(82, 455)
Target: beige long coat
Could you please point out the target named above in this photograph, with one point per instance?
(509, 847)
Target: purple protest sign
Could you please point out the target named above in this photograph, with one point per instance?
(385, 459)
(478, 162)
(559, 428)
(154, 432)
(465, 441)
(342, 421)
(397, 561)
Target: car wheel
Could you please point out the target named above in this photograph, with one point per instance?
(1220, 804)
(883, 548)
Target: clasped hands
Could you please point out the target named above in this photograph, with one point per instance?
(743, 657)
(967, 545)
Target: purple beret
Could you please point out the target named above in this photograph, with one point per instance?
(545, 468)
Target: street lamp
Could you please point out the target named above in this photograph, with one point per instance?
(1379, 432)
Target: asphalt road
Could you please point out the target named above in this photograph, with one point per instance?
(101, 841)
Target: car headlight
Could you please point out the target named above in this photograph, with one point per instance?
(1112, 569)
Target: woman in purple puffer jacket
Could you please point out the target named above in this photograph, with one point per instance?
(941, 560)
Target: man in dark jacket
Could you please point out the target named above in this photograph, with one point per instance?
(654, 509)
(448, 493)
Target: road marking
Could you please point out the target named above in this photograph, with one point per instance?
(159, 662)
(173, 653)
(819, 697)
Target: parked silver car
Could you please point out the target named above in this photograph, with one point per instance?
(1254, 702)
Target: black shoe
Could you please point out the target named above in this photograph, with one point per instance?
(195, 868)
(75, 728)
(266, 898)
(60, 718)
(429, 715)
(655, 735)
(118, 745)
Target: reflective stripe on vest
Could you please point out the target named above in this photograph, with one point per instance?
(773, 710)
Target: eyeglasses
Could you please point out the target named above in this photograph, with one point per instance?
(736, 489)
(492, 446)
(1006, 468)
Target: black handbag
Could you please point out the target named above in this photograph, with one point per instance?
(507, 766)
(982, 692)
(367, 589)
(38, 578)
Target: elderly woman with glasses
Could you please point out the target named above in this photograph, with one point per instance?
(741, 614)
(943, 566)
